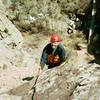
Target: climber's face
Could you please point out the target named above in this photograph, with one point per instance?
(55, 44)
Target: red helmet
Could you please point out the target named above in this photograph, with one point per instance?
(55, 38)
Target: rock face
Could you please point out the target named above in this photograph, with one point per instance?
(7, 30)
(10, 37)
(63, 83)
(71, 83)
(13, 54)
(59, 84)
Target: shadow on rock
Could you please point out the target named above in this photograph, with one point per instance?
(28, 78)
(96, 60)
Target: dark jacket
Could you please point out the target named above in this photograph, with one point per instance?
(60, 51)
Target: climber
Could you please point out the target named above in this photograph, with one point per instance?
(53, 53)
